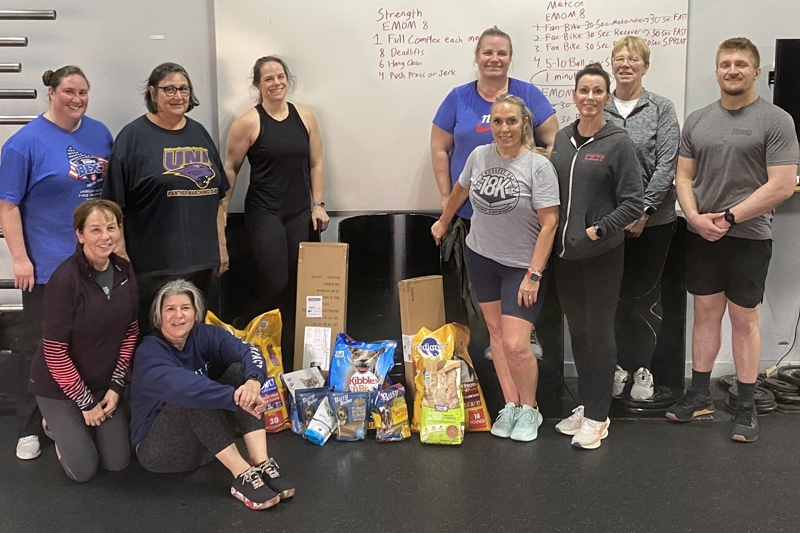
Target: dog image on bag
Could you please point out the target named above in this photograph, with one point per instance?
(359, 366)
(362, 368)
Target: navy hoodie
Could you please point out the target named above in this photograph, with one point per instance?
(600, 183)
(164, 374)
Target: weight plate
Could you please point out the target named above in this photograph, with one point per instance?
(789, 408)
(760, 395)
(778, 385)
(787, 397)
(790, 373)
(728, 381)
(663, 397)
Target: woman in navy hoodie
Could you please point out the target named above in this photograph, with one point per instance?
(601, 191)
(181, 418)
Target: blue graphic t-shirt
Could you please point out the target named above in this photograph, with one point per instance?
(48, 172)
(465, 115)
(169, 184)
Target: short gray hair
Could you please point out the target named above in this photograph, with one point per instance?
(172, 288)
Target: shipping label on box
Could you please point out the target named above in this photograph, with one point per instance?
(321, 302)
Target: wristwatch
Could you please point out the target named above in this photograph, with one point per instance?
(534, 275)
(649, 210)
(322, 204)
(598, 230)
(255, 377)
(729, 217)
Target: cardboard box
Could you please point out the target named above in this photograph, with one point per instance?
(321, 302)
(421, 305)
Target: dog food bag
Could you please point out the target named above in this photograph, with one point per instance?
(360, 366)
(305, 405)
(351, 410)
(450, 342)
(390, 414)
(323, 423)
(442, 404)
(264, 332)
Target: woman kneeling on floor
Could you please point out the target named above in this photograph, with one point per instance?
(182, 418)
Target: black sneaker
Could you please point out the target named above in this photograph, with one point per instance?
(270, 473)
(692, 405)
(745, 423)
(252, 491)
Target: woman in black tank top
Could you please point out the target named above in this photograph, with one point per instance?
(287, 184)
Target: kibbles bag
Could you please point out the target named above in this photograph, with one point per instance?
(360, 366)
(447, 343)
(390, 414)
(351, 410)
(442, 403)
(264, 332)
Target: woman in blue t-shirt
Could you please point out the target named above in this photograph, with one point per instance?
(48, 168)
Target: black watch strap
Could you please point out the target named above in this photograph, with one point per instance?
(730, 218)
(649, 210)
(256, 377)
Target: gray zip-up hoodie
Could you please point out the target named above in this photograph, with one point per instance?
(600, 183)
(654, 129)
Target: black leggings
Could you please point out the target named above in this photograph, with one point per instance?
(183, 438)
(638, 319)
(29, 418)
(274, 241)
(589, 290)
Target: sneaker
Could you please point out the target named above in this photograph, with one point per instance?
(642, 385)
(536, 348)
(745, 423)
(693, 404)
(527, 426)
(487, 353)
(506, 420)
(28, 448)
(46, 430)
(621, 377)
(571, 425)
(250, 489)
(591, 434)
(271, 474)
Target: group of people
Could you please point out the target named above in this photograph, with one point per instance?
(96, 287)
(598, 217)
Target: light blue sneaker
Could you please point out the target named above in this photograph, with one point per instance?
(527, 427)
(506, 420)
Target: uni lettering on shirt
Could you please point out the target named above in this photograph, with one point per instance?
(191, 163)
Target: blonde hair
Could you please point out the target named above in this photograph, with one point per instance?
(494, 31)
(635, 45)
(527, 121)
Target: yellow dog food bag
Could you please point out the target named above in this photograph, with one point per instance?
(264, 332)
(448, 343)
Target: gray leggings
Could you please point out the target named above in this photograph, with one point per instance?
(84, 448)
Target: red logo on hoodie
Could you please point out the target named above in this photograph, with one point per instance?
(594, 157)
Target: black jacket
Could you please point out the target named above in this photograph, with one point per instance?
(600, 183)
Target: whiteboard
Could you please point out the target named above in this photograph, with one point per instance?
(375, 71)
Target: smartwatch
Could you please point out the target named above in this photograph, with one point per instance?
(649, 210)
(255, 377)
(729, 217)
(534, 275)
(598, 230)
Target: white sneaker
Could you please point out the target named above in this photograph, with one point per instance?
(487, 353)
(28, 448)
(571, 425)
(642, 385)
(591, 434)
(536, 348)
(621, 377)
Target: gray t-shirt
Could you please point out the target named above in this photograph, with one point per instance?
(732, 150)
(105, 279)
(505, 194)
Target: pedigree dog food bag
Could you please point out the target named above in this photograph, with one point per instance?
(449, 343)
(264, 332)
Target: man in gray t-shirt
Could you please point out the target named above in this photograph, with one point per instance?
(737, 161)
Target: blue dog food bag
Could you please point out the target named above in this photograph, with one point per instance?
(351, 410)
(360, 366)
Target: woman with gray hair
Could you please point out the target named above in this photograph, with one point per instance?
(182, 417)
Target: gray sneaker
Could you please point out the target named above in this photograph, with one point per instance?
(506, 420)
(571, 425)
(642, 389)
(621, 377)
(591, 434)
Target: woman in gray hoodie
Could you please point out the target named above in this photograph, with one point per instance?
(601, 191)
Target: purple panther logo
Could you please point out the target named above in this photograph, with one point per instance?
(191, 163)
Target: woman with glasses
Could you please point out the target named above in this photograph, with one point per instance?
(166, 174)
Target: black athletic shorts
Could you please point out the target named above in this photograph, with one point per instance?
(492, 281)
(738, 267)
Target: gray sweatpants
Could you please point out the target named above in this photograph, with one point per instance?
(84, 448)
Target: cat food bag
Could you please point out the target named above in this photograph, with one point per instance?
(442, 412)
(305, 405)
(360, 366)
(322, 425)
(448, 343)
(264, 332)
(390, 414)
(308, 378)
(351, 410)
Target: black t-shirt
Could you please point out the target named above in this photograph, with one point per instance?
(169, 185)
(580, 140)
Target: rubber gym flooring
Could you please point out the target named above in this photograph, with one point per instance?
(648, 476)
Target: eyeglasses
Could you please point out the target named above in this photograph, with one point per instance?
(618, 60)
(169, 90)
